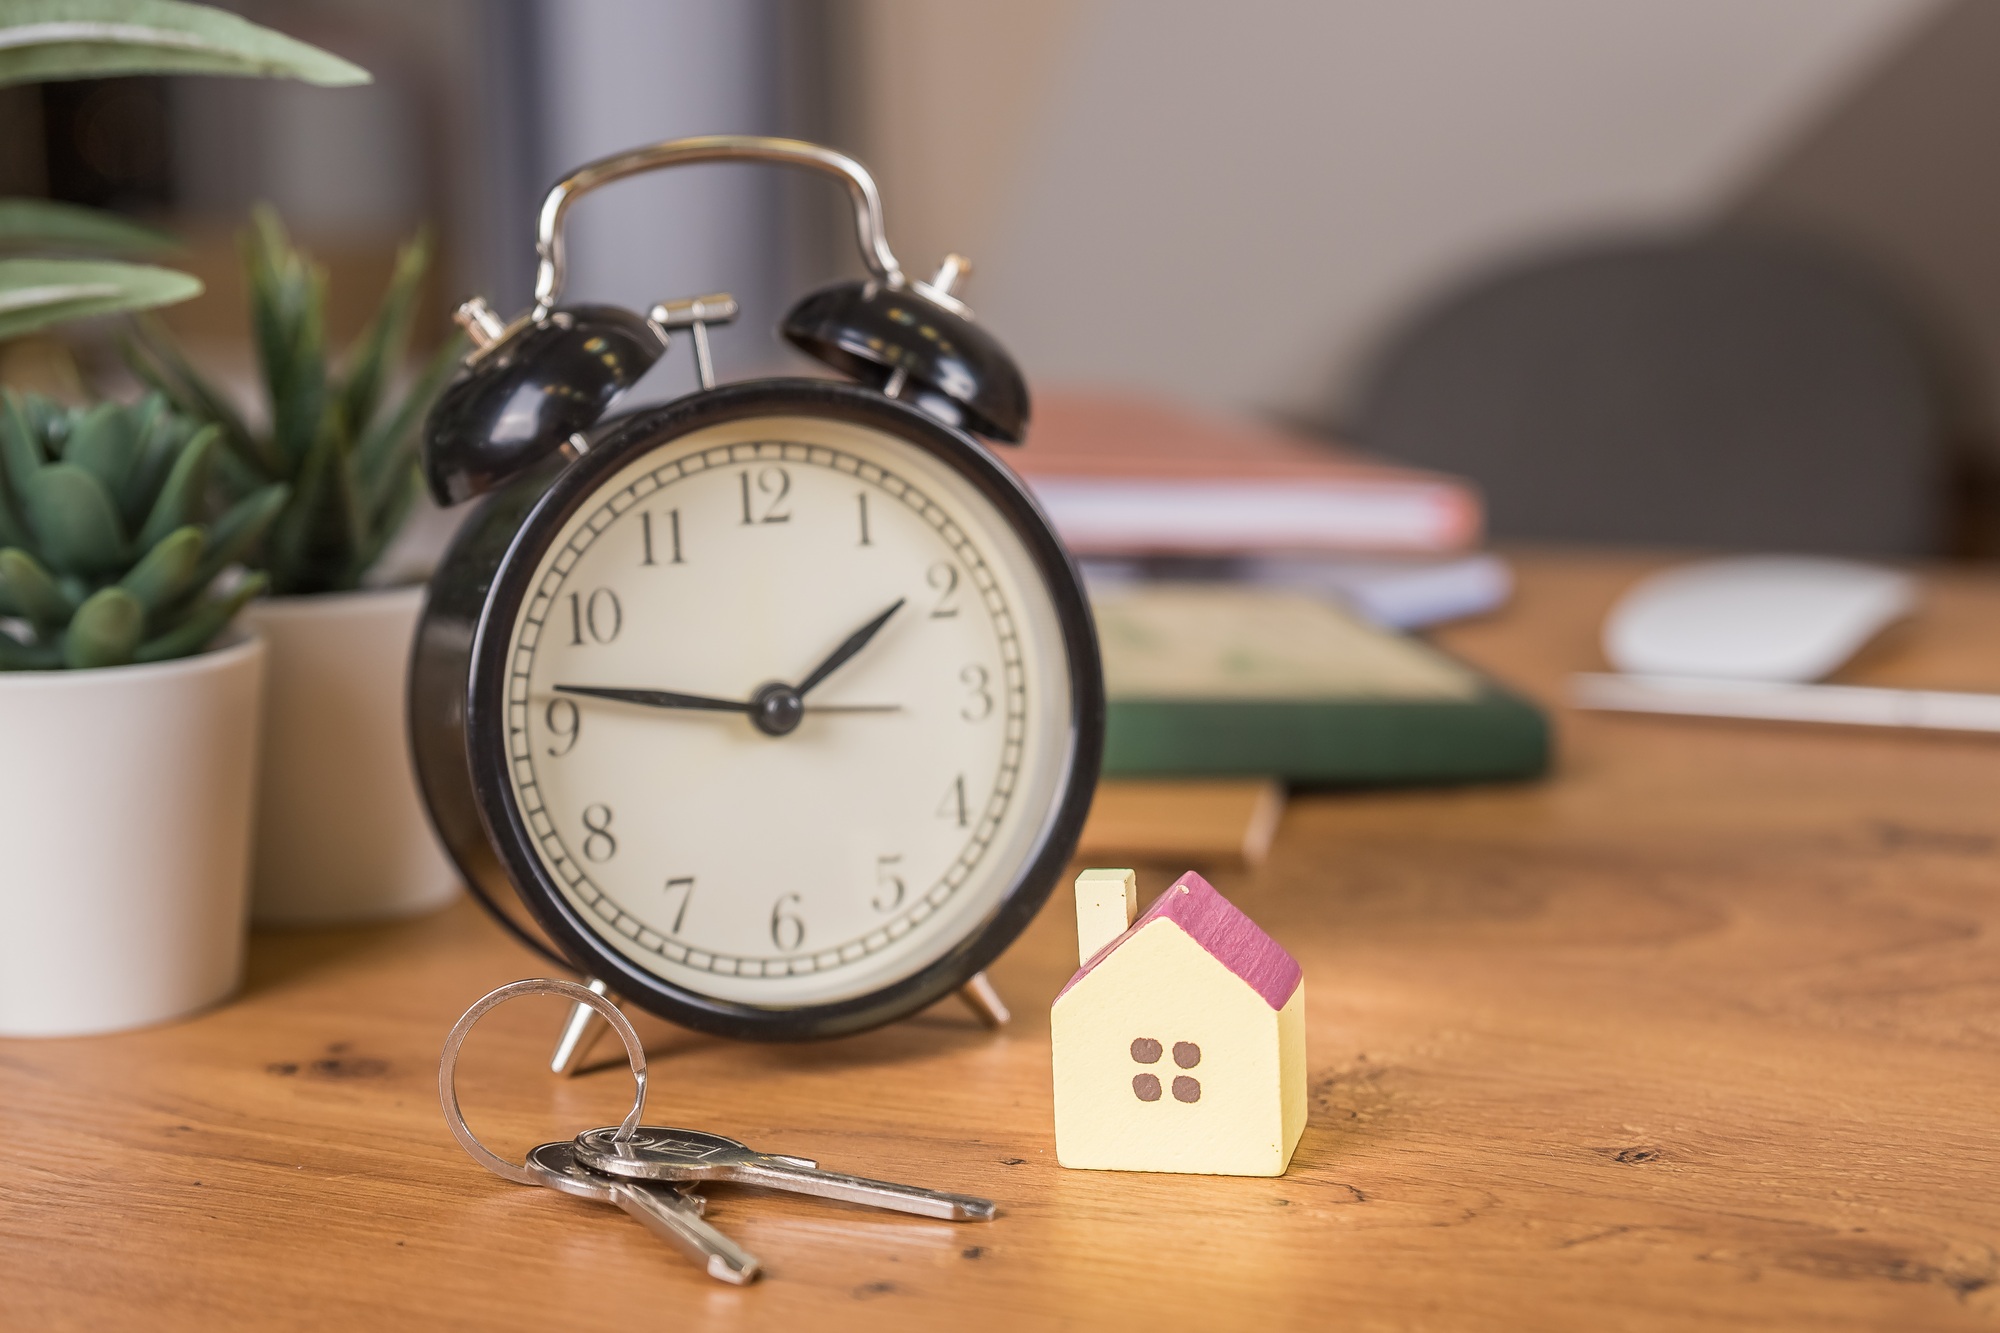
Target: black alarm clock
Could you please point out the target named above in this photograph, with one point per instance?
(777, 706)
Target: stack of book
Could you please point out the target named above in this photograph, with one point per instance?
(1251, 588)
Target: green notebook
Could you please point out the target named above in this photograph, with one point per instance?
(1215, 679)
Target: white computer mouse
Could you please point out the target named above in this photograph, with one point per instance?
(1775, 618)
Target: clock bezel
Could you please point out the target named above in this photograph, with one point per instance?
(614, 445)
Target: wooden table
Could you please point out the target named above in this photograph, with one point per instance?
(1700, 1033)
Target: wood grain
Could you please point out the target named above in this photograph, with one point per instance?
(1699, 1033)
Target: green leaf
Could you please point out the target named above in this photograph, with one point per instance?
(18, 656)
(44, 40)
(287, 310)
(104, 443)
(381, 344)
(166, 573)
(38, 292)
(314, 544)
(33, 590)
(202, 624)
(105, 630)
(154, 359)
(43, 224)
(233, 536)
(75, 524)
(385, 452)
(388, 521)
(20, 458)
(187, 486)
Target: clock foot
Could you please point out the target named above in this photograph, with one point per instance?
(579, 1034)
(979, 996)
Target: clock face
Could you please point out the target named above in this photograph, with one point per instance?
(787, 710)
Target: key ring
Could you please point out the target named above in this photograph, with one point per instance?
(448, 1067)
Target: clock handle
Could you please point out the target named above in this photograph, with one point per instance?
(585, 1024)
(551, 272)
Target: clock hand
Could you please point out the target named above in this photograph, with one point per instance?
(854, 643)
(660, 699)
(702, 703)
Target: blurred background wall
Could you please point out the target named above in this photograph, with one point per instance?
(1237, 205)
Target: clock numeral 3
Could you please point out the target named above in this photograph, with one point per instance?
(887, 879)
(788, 930)
(953, 806)
(686, 883)
(944, 577)
(673, 537)
(599, 617)
(980, 706)
(598, 844)
(773, 485)
(565, 724)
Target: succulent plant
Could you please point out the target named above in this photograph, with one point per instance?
(104, 556)
(347, 448)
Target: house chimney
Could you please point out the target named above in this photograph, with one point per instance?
(1106, 902)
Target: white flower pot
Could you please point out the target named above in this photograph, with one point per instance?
(125, 799)
(342, 836)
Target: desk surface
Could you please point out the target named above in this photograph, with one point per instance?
(1699, 1033)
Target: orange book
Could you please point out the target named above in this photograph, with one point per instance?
(1130, 476)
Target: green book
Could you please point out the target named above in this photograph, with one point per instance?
(1208, 680)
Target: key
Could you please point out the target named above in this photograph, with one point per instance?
(673, 1216)
(654, 1153)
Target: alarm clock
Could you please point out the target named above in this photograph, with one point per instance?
(776, 709)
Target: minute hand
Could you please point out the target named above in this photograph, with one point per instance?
(660, 698)
(854, 643)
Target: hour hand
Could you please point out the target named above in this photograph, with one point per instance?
(660, 698)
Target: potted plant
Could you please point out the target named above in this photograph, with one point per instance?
(341, 832)
(126, 777)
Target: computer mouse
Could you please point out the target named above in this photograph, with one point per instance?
(1769, 618)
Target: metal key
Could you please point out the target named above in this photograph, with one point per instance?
(674, 1216)
(655, 1153)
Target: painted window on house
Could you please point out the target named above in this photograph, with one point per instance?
(1146, 1085)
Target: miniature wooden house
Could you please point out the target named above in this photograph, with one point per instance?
(1180, 1042)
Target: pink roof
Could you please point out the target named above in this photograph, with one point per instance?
(1230, 937)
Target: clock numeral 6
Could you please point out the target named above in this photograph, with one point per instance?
(598, 616)
(598, 844)
(887, 879)
(773, 485)
(565, 724)
(788, 931)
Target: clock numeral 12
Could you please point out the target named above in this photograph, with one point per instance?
(775, 484)
(861, 499)
(953, 806)
(685, 882)
(674, 536)
(788, 930)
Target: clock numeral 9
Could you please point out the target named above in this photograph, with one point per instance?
(565, 724)
(980, 706)
(773, 485)
(887, 879)
(944, 577)
(598, 844)
(788, 931)
(686, 883)
(953, 807)
(673, 537)
(599, 616)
